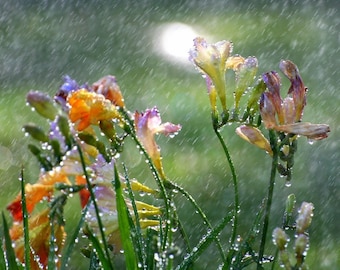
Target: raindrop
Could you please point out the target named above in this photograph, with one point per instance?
(310, 141)
(288, 183)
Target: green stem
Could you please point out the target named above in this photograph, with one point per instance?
(159, 180)
(236, 194)
(273, 143)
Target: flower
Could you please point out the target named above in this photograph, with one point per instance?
(108, 87)
(39, 234)
(211, 60)
(35, 193)
(284, 115)
(106, 201)
(148, 124)
(88, 108)
(254, 136)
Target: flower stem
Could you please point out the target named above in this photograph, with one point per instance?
(273, 143)
(236, 193)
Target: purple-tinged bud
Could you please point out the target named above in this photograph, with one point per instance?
(42, 103)
(305, 217)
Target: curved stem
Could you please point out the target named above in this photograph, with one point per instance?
(199, 211)
(236, 193)
(273, 143)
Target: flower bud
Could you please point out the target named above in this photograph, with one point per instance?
(254, 136)
(36, 132)
(305, 217)
(42, 103)
(301, 246)
(280, 238)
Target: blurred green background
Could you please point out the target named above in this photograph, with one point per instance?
(40, 41)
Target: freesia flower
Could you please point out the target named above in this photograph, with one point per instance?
(148, 124)
(88, 108)
(35, 193)
(108, 87)
(284, 115)
(211, 60)
(39, 234)
(106, 201)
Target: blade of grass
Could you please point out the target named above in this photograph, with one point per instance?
(106, 264)
(124, 225)
(68, 251)
(139, 241)
(10, 254)
(25, 220)
(205, 241)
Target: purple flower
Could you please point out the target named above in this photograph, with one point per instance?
(148, 124)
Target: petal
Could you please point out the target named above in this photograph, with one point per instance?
(311, 131)
(273, 82)
(267, 110)
(297, 89)
(254, 136)
(108, 87)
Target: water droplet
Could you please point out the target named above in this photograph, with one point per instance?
(288, 183)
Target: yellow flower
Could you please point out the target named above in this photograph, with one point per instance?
(106, 201)
(88, 108)
(211, 59)
(39, 236)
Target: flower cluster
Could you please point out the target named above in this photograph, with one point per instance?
(73, 159)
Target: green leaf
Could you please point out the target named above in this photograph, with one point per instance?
(25, 220)
(124, 225)
(10, 254)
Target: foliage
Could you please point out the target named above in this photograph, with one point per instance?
(81, 153)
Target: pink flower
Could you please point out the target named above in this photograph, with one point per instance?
(148, 124)
(284, 115)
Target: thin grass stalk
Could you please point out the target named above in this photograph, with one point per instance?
(199, 211)
(25, 221)
(93, 199)
(204, 243)
(139, 238)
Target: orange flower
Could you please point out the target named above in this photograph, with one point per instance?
(89, 108)
(39, 235)
(37, 192)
